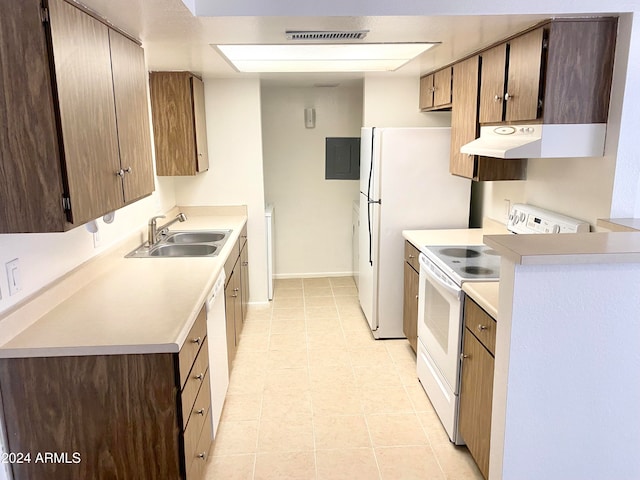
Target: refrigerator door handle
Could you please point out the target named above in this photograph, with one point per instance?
(369, 201)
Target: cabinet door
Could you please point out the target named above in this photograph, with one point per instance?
(30, 176)
(523, 83)
(237, 302)
(132, 112)
(476, 394)
(87, 111)
(442, 87)
(410, 306)
(492, 84)
(426, 92)
(230, 310)
(200, 125)
(464, 115)
(244, 279)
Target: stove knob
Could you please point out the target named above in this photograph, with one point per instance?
(556, 228)
(522, 217)
(516, 220)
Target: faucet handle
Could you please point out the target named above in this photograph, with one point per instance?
(153, 219)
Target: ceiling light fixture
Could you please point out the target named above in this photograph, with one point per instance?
(361, 57)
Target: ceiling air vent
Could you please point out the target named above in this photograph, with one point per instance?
(312, 35)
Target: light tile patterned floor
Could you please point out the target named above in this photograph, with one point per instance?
(313, 396)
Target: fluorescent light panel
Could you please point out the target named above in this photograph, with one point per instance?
(366, 57)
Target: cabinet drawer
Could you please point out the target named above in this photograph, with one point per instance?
(230, 264)
(197, 461)
(192, 345)
(411, 254)
(195, 379)
(196, 417)
(202, 401)
(481, 324)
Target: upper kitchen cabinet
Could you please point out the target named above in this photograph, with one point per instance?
(464, 129)
(177, 105)
(435, 90)
(558, 73)
(77, 130)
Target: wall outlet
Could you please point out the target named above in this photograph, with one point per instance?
(507, 208)
(13, 275)
(97, 239)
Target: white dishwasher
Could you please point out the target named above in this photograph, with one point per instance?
(218, 364)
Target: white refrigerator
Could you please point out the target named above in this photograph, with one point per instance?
(405, 184)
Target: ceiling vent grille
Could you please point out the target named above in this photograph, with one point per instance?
(312, 35)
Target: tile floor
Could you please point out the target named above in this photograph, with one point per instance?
(313, 396)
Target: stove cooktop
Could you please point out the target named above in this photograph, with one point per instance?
(465, 263)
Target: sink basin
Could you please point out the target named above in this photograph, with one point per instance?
(196, 243)
(183, 250)
(195, 237)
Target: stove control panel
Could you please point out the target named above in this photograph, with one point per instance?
(530, 219)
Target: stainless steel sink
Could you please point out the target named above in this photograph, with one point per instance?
(195, 237)
(184, 250)
(196, 243)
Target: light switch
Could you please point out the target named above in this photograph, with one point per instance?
(13, 276)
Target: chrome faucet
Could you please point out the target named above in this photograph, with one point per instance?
(154, 230)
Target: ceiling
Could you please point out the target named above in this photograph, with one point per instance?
(176, 40)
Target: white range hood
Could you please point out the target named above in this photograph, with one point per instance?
(539, 141)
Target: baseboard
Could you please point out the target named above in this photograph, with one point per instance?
(283, 276)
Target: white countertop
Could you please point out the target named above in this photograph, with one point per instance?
(485, 294)
(137, 305)
(620, 224)
(459, 236)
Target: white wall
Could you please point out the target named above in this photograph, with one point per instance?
(393, 102)
(235, 166)
(312, 215)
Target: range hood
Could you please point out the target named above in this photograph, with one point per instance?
(539, 141)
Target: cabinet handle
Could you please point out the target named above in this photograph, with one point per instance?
(196, 340)
(236, 289)
(234, 295)
(411, 256)
(202, 455)
(128, 170)
(244, 264)
(507, 97)
(463, 356)
(200, 376)
(120, 173)
(200, 412)
(497, 98)
(417, 297)
(482, 327)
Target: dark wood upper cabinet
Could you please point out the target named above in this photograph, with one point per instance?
(557, 73)
(70, 118)
(464, 129)
(179, 126)
(435, 90)
(82, 65)
(132, 111)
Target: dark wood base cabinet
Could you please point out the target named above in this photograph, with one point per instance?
(476, 385)
(411, 286)
(109, 416)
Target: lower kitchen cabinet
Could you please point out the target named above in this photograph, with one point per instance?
(410, 303)
(476, 385)
(236, 293)
(140, 416)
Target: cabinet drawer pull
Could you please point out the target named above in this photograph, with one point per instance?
(200, 412)
(197, 340)
(244, 264)
(235, 295)
(507, 97)
(463, 356)
(202, 455)
(200, 376)
(482, 327)
(497, 98)
(128, 170)
(236, 289)
(412, 256)
(120, 173)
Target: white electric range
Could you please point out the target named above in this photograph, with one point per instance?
(443, 270)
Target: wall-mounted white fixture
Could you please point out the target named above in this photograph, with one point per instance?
(310, 117)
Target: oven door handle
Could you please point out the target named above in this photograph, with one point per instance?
(426, 268)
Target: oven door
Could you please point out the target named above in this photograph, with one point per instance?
(440, 320)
